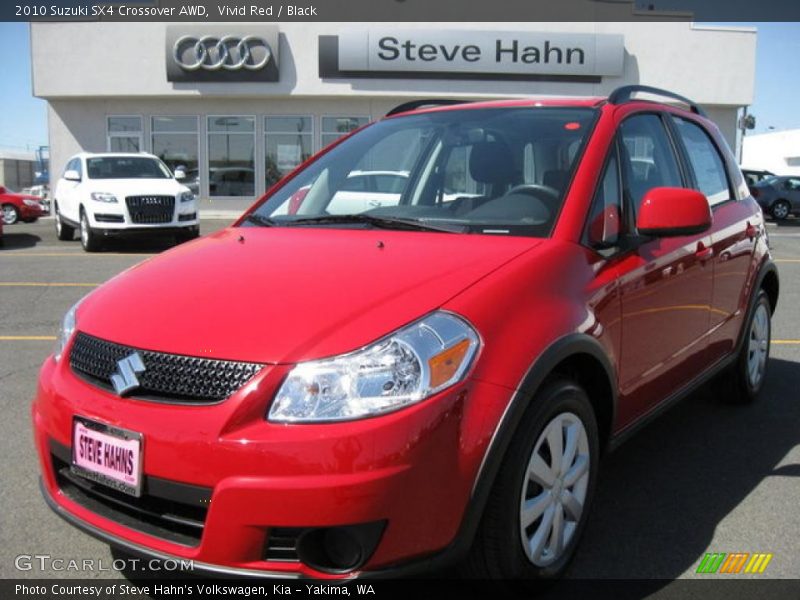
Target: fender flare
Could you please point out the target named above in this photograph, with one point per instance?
(767, 267)
(563, 348)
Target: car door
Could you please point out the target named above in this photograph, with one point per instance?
(68, 191)
(793, 192)
(737, 227)
(665, 283)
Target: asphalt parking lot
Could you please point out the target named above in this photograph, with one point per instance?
(705, 477)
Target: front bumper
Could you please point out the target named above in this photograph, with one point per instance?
(412, 470)
(30, 213)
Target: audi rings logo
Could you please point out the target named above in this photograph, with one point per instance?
(227, 52)
(235, 53)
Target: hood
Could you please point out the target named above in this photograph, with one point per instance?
(283, 295)
(136, 186)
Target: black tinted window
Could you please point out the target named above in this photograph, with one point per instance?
(126, 167)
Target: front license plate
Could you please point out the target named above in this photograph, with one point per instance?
(107, 455)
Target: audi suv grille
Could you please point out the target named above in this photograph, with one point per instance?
(150, 210)
(167, 377)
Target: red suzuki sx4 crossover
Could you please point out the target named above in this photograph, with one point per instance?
(416, 348)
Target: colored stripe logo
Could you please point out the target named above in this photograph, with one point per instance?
(734, 563)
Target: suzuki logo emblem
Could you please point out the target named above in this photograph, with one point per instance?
(125, 380)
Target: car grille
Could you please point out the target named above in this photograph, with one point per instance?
(149, 210)
(170, 510)
(167, 377)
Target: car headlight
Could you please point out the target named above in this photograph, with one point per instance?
(103, 197)
(27, 202)
(187, 197)
(68, 324)
(401, 369)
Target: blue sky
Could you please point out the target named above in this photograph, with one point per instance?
(23, 118)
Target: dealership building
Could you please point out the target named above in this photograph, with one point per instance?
(236, 105)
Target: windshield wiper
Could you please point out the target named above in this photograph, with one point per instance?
(375, 221)
(260, 220)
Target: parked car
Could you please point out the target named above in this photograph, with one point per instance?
(19, 207)
(107, 194)
(778, 196)
(41, 193)
(337, 395)
(754, 176)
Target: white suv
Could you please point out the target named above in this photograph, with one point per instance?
(106, 194)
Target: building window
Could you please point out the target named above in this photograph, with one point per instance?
(124, 133)
(335, 127)
(231, 156)
(174, 141)
(288, 142)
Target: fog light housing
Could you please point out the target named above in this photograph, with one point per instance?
(339, 549)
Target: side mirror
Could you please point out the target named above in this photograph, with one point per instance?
(673, 212)
(180, 174)
(72, 175)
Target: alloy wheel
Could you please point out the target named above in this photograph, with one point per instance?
(554, 489)
(10, 215)
(84, 230)
(780, 210)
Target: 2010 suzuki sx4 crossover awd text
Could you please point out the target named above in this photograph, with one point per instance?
(320, 393)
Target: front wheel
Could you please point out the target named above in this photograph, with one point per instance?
(89, 239)
(64, 232)
(780, 210)
(541, 499)
(10, 214)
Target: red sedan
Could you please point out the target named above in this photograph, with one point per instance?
(19, 207)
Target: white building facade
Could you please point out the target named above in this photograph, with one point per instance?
(237, 105)
(776, 151)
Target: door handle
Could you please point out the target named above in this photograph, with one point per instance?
(703, 252)
(751, 231)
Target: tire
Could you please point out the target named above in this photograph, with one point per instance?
(10, 214)
(499, 550)
(89, 239)
(64, 232)
(781, 210)
(747, 376)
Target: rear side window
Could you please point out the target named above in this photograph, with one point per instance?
(648, 160)
(706, 163)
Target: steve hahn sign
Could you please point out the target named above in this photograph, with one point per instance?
(457, 53)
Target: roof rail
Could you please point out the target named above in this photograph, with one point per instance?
(624, 94)
(415, 104)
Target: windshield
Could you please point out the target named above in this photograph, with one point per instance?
(499, 171)
(126, 167)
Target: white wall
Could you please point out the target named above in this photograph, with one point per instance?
(710, 65)
(778, 151)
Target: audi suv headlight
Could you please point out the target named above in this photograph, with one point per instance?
(68, 324)
(103, 197)
(401, 369)
(186, 197)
